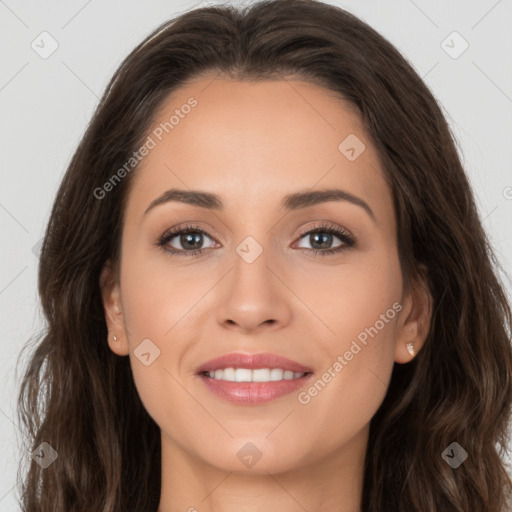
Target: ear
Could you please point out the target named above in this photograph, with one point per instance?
(111, 297)
(415, 318)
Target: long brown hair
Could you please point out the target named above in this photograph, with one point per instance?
(80, 398)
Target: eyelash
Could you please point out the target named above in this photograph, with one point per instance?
(331, 229)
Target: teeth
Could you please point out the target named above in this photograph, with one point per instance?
(258, 375)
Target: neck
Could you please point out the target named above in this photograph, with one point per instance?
(331, 483)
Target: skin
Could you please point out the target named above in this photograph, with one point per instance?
(252, 143)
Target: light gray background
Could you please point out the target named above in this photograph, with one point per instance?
(46, 103)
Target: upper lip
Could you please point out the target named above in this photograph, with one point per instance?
(252, 361)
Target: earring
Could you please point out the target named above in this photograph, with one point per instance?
(115, 337)
(410, 348)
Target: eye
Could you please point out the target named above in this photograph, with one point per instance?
(190, 238)
(322, 236)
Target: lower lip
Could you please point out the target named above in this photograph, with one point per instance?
(253, 393)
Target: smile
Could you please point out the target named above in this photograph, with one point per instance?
(258, 375)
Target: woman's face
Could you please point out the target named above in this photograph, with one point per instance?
(264, 150)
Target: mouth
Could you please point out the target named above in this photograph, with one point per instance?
(251, 379)
(257, 375)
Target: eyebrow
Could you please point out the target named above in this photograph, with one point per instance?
(295, 201)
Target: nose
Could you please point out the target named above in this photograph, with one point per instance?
(254, 297)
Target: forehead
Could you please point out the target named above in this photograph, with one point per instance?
(256, 141)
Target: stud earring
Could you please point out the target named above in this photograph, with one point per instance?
(115, 337)
(410, 348)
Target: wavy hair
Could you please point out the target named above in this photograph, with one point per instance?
(80, 398)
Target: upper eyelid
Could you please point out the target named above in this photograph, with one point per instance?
(326, 226)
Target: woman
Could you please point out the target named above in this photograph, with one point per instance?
(368, 370)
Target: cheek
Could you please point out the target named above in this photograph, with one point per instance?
(354, 296)
(352, 384)
(156, 295)
(358, 353)
(156, 300)
(368, 305)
